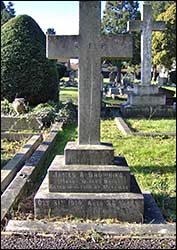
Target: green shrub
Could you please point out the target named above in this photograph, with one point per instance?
(7, 108)
(24, 67)
(61, 69)
(68, 112)
(46, 112)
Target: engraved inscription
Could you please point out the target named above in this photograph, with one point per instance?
(89, 181)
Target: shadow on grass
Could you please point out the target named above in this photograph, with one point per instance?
(167, 205)
(69, 133)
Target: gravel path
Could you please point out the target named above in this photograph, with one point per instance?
(82, 241)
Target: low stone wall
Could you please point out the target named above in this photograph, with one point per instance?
(148, 112)
(15, 136)
(19, 123)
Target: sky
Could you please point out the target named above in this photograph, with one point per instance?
(63, 16)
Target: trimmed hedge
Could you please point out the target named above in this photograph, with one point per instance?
(24, 67)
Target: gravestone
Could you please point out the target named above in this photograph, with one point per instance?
(145, 94)
(88, 181)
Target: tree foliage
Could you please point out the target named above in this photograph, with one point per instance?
(7, 12)
(159, 6)
(164, 43)
(24, 67)
(115, 18)
(116, 15)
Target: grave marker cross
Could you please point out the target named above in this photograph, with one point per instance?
(146, 26)
(90, 46)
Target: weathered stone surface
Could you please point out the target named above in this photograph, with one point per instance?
(113, 229)
(123, 206)
(122, 126)
(87, 178)
(102, 154)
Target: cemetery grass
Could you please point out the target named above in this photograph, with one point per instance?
(68, 93)
(152, 125)
(153, 162)
(71, 93)
(151, 159)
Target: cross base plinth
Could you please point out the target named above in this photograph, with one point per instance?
(102, 154)
(144, 96)
(90, 192)
(146, 89)
(152, 100)
(147, 111)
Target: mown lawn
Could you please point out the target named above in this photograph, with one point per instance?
(68, 93)
(151, 159)
(152, 125)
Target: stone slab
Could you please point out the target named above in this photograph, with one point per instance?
(13, 166)
(102, 154)
(87, 178)
(147, 111)
(135, 230)
(123, 206)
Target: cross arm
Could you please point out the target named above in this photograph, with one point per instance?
(158, 26)
(62, 46)
(135, 25)
(117, 46)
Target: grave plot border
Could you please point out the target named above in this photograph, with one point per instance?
(122, 126)
(125, 229)
(25, 178)
(10, 169)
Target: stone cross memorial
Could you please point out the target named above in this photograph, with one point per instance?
(88, 181)
(146, 26)
(90, 46)
(145, 99)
